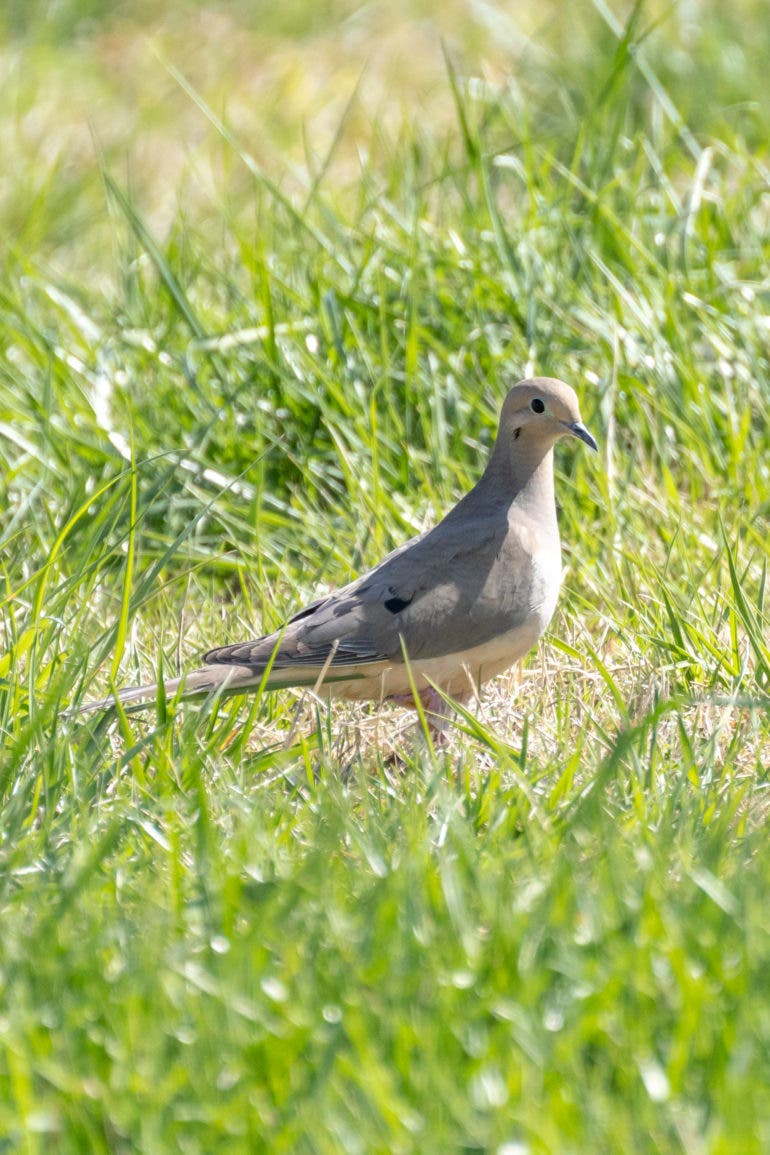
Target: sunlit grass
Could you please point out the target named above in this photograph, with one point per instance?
(261, 302)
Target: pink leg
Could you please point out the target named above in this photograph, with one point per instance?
(437, 713)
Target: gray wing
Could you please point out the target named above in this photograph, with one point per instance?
(457, 586)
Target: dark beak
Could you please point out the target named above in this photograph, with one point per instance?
(578, 429)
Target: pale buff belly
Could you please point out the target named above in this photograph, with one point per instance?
(456, 674)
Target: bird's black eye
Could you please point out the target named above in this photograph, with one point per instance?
(536, 405)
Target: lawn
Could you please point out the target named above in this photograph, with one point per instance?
(268, 272)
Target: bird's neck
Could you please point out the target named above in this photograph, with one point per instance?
(523, 479)
(535, 492)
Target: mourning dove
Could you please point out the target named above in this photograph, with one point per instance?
(446, 611)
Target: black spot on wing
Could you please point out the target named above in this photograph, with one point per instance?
(397, 604)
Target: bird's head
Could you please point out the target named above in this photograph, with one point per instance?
(543, 409)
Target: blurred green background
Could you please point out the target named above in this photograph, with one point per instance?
(82, 78)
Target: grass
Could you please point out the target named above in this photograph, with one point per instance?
(261, 300)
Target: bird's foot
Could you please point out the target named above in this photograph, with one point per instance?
(436, 711)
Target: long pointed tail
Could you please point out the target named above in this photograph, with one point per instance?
(227, 679)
